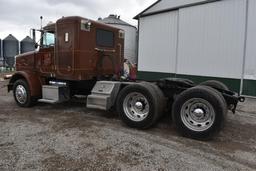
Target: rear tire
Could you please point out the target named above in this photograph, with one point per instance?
(22, 95)
(137, 106)
(199, 113)
(215, 84)
(224, 104)
(160, 98)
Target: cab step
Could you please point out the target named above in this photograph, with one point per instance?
(47, 101)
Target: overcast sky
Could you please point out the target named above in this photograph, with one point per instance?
(18, 16)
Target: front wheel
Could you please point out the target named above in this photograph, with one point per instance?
(22, 94)
(199, 112)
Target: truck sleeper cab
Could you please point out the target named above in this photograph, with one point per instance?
(78, 56)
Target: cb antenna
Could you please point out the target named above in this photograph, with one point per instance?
(41, 18)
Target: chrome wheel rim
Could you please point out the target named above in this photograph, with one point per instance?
(197, 114)
(136, 107)
(21, 94)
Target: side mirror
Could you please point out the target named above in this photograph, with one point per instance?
(36, 45)
(34, 34)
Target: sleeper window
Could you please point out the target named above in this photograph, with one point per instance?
(104, 38)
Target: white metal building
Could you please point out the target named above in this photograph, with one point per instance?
(130, 44)
(200, 40)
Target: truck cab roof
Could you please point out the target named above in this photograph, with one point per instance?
(51, 27)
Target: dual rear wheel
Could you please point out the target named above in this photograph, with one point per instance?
(197, 113)
(137, 105)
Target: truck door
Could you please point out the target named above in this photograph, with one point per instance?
(46, 53)
(65, 48)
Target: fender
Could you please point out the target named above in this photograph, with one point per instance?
(33, 80)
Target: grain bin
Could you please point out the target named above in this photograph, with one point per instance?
(10, 50)
(27, 45)
(0, 48)
(1, 57)
(130, 44)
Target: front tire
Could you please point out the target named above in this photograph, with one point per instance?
(21, 93)
(199, 113)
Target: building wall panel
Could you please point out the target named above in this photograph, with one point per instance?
(211, 39)
(158, 42)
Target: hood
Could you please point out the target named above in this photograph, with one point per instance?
(26, 54)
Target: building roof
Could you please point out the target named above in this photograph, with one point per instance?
(161, 6)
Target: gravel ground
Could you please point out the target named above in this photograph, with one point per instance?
(70, 137)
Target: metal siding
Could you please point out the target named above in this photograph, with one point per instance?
(211, 39)
(166, 4)
(250, 60)
(158, 42)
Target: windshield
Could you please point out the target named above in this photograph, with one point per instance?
(48, 39)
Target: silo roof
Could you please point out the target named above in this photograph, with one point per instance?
(114, 19)
(27, 39)
(10, 37)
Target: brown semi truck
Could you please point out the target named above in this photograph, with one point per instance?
(78, 56)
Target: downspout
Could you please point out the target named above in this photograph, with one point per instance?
(138, 37)
(245, 47)
(177, 43)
